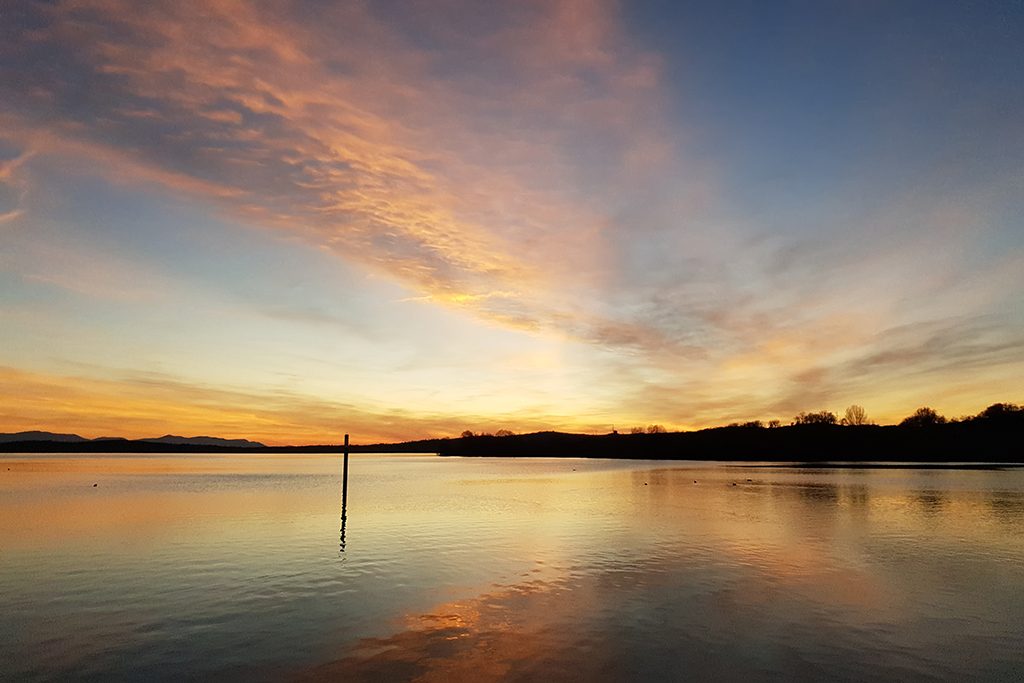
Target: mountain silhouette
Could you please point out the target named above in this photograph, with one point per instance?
(38, 441)
(41, 436)
(204, 441)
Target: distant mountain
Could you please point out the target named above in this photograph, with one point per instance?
(204, 441)
(41, 436)
(37, 436)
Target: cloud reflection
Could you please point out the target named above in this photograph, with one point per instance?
(514, 633)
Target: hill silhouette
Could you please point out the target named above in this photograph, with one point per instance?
(956, 442)
(50, 442)
(996, 435)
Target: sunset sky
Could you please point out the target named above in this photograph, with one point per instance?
(288, 220)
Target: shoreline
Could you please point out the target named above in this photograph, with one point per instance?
(964, 445)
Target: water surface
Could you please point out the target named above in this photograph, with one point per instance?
(230, 567)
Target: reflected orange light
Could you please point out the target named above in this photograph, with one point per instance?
(478, 639)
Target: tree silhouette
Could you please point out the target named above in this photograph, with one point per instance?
(924, 417)
(1000, 411)
(656, 429)
(824, 417)
(855, 415)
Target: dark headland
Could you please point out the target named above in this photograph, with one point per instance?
(994, 436)
(803, 443)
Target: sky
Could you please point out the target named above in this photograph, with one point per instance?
(290, 220)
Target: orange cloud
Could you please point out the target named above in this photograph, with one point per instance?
(140, 407)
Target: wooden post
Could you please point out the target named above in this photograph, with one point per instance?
(344, 496)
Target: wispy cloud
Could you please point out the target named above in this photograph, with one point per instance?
(12, 187)
(462, 171)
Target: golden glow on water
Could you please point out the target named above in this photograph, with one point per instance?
(489, 569)
(56, 500)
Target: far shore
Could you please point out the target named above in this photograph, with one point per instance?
(978, 443)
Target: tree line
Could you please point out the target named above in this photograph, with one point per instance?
(854, 416)
(922, 417)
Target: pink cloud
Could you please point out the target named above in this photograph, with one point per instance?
(457, 179)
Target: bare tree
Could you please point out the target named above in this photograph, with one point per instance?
(924, 417)
(822, 418)
(636, 430)
(504, 432)
(774, 424)
(466, 434)
(656, 429)
(855, 415)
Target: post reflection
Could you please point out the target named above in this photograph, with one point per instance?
(343, 520)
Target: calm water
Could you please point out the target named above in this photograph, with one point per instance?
(218, 567)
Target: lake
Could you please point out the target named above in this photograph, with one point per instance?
(231, 567)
